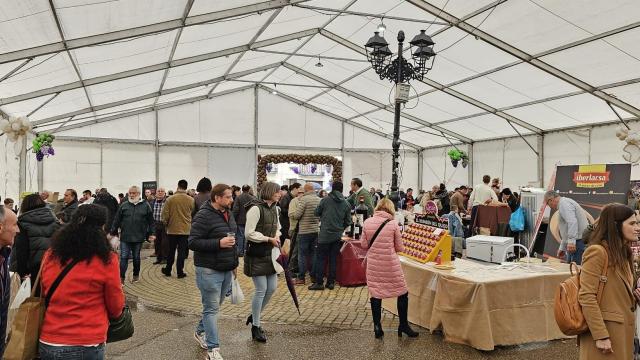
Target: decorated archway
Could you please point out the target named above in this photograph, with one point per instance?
(263, 161)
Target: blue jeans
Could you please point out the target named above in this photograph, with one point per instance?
(125, 249)
(48, 352)
(306, 247)
(576, 256)
(265, 287)
(240, 240)
(213, 286)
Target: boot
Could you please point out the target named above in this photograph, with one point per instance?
(257, 334)
(376, 312)
(250, 319)
(403, 309)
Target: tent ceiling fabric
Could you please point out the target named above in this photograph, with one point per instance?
(503, 67)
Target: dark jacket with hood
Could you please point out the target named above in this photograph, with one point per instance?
(135, 221)
(239, 207)
(36, 228)
(209, 226)
(110, 202)
(335, 216)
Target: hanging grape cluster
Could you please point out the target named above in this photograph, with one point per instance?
(42, 146)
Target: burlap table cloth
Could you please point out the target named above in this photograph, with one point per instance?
(482, 305)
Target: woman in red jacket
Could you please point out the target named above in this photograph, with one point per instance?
(384, 274)
(77, 318)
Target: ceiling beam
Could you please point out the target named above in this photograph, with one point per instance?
(148, 109)
(157, 67)
(340, 118)
(434, 84)
(255, 37)
(373, 102)
(73, 62)
(363, 14)
(155, 94)
(512, 50)
(176, 40)
(345, 7)
(146, 30)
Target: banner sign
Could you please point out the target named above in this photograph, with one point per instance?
(431, 218)
(592, 186)
(149, 185)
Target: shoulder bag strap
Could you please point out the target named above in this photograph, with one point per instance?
(57, 282)
(603, 277)
(375, 235)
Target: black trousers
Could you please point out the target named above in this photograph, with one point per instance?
(179, 243)
(161, 245)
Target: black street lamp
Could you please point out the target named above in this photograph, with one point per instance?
(400, 71)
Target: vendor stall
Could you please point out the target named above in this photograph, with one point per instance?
(484, 305)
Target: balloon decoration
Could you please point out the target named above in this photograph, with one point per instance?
(42, 146)
(15, 128)
(263, 161)
(632, 149)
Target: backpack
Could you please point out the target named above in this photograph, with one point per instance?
(567, 309)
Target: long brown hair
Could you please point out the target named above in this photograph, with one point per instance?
(608, 232)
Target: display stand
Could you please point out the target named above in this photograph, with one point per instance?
(424, 243)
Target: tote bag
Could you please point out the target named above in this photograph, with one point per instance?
(516, 222)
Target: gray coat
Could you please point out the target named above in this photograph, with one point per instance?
(572, 222)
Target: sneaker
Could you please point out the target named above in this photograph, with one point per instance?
(200, 338)
(316, 287)
(299, 281)
(135, 279)
(214, 354)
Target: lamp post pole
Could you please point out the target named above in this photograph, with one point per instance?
(396, 126)
(399, 71)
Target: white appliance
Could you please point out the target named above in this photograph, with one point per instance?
(488, 248)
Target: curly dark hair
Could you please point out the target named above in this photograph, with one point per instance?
(83, 237)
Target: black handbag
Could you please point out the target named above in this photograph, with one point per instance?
(122, 327)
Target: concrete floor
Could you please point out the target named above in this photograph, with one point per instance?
(162, 335)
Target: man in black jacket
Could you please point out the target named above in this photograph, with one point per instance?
(70, 206)
(107, 200)
(134, 219)
(240, 215)
(8, 230)
(292, 191)
(215, 257)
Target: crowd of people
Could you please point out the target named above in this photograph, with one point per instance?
(43, 241)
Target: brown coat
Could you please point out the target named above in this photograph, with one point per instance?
(176, 214)
(458, 199)
(614, 318)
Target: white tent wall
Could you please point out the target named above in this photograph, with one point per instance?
(9, 165)
(511, 160)
(76, 165)
(374, 169)
(124, 165)
(437, 169)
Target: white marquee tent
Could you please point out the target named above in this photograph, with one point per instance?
(164, 89)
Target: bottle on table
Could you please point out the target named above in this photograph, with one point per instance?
(362, 213)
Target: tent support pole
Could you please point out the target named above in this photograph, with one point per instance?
(420, 168)
(470, 167)
(40, 165)
(22, 178)
(342, 146)
(541, 160)
(156, 148)
(101, 163)
(255, 137)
